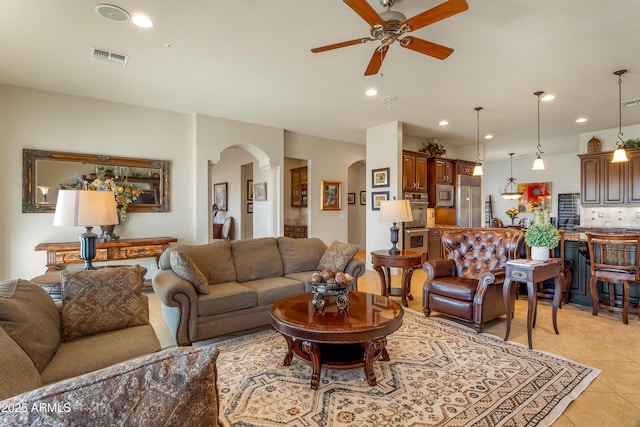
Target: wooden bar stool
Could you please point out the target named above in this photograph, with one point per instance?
(614, 260)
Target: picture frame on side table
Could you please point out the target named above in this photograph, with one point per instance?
(220, 196)
(377, 197)
(351, 198)
(380, 177)
(260, 192)
(331, 193)
(363, 197)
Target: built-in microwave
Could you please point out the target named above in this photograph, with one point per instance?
(444, 195)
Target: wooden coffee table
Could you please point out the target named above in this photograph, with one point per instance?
(336, 339)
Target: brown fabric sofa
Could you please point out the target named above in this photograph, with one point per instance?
(467, 285)
(103, 320)
(232, 285)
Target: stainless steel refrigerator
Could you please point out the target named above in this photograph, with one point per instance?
(468, 201)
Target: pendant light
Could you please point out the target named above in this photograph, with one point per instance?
(538, 163)
(477, 169)
(620, 155)
(510, 189)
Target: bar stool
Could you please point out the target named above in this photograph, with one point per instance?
(615, 260)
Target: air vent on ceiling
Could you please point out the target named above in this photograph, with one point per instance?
(631, 102)
(106, 57)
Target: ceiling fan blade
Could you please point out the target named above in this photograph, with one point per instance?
(341, 44)
(435, 14)
(428, 48)
(366, 12)
(376, 60)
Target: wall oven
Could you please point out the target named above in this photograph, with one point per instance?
(415, 233)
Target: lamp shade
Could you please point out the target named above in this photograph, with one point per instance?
(395, 211)
(85, 208)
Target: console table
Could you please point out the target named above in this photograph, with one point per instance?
(61, 254)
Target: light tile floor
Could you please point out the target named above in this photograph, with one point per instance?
(603, 341)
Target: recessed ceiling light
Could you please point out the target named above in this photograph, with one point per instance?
(488, 136)
(142, 21)
(388, 99)
(548, 97)
(371, 92)
(581, 120)
(443, 123)
(112, 12)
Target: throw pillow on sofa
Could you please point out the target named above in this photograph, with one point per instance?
(185, 268)
(337, 256)
(32, 319)
(95, 301)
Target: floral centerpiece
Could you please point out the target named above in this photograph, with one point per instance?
(513, 214)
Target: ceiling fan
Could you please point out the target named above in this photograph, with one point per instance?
(390, 26)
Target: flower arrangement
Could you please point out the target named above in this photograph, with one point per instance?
(124, 192)
(433, 147)
(512, 213)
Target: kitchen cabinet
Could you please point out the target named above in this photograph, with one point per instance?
(442, 171)
(414, 172)
(462, 167)
(434, 251)
(610, 184)
(299, 187)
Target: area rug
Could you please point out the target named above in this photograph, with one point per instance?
(440, 374)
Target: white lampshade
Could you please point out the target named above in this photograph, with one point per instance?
(477, 170)
(85, 208)
(395, 211)
(619, 156)
(538, 164)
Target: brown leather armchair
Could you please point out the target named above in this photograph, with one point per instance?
(467, 285)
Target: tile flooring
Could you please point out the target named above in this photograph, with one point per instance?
(603, 342)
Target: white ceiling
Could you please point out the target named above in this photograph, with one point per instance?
(250, 60)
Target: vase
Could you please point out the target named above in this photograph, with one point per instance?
(108, 233)
(539, 253)
(513, 220)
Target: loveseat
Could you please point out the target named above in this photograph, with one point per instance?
(467, 285)
(230, 286)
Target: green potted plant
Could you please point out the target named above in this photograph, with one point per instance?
(541, 238)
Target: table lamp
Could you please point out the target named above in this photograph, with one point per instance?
(44, 191)
(395, 211)
(86, 208)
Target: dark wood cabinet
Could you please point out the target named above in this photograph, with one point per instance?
(434, 250)
(443, 171)
(299, 187)
(414, 172)
(463, 167)
(295, 231)
(605, 183)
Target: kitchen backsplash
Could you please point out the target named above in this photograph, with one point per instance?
(610, 217)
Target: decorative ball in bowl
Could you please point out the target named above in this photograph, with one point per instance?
(328, 282)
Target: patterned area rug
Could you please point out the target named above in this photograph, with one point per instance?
(440, 374)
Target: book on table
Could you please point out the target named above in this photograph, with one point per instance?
(525, 262)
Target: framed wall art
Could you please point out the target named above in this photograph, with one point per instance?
(249, 189)
(351, 198)
(380, 178)
(535, 195)
(249, 208)
(260, 191)
(377, 197)
(220, 195)
(330, 192)
(363, 197)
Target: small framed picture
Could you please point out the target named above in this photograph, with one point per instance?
(220, 196)
(363, 197)
(260, 191)
(351, 198)
(250, 208)
(380, 177)
(249, 189)
(330, 192)
(377, 197)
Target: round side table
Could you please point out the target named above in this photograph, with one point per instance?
(407, 261)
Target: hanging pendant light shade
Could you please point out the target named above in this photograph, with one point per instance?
(477, 169)
(538, 163)
(510, 189)
(620, 155)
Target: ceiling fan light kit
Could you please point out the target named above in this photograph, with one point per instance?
(390, 26)
(620, 155)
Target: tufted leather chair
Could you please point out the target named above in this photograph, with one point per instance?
(467, 285)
